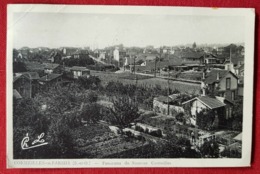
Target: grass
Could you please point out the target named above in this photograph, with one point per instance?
(183, 87)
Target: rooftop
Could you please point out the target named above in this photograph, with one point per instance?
(210, 102)
(49, 77)
(211, 77)
(51, 65)
(31, 75)
(16, 94)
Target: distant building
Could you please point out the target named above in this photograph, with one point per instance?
(50, 68)
(80, 54)
(224, 82)
(68, 51)
(79, 71)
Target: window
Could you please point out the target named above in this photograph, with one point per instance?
(228, 83)
(233, 95)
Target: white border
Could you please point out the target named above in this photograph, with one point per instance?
(249, 15)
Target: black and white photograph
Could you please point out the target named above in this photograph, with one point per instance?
(129, 86)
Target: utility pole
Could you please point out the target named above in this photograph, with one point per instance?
(155, 66)
(168, 91)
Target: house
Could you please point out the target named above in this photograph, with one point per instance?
(16, 95)
(79, 71)
(224, 82)
(50, 68)
(55, 57)
(160, 105)
(68, 51)
(210, 59)
(221, 107)
(50, 80)
(190, 56)
(22, 84)
(79, 54)
(34, 77)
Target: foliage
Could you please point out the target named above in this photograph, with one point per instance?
(91, 82)
(205, 119)
(60, 139)
(84, 60)
(19, 67)
(238, 114)
(91, 113)
(124, 111)
(91, 96)
(231, 153)
(210, 149)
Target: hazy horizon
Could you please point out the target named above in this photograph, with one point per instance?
(55, 30)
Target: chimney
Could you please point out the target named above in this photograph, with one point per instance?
(217, 76)
(203, 76)
(203, 88)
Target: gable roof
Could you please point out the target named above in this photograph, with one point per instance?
(210, 102)
(51, 65)
(30, 75)
(18, 76)
(49, 77)
(16, 94)
(211, 77)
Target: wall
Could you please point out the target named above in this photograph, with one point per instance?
(160, 107)
(234, 83)
(196, 107)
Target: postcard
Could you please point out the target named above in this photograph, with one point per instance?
(129, 86)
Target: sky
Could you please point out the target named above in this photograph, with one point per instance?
(56, 30)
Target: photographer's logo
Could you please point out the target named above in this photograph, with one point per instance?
(36, 143)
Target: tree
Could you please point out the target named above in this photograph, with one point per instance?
(91, 113)
(91, 82)
(19, 67)
(205, 119)
(123, 112)
(238, 114)
(210, 149)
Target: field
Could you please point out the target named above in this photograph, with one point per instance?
(143, 80)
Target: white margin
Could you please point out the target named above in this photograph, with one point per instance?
(245, 161)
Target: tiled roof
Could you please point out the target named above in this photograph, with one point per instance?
(51, 65)
(31, 75)
(211, 77)
(17, 76)
(212, 103)
(49, 77)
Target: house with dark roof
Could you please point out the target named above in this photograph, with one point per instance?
(34, 77)
(22, 84)
(221, 107)
(50, 80)
(79, 71)
(224, 82)
(52, 68)
(190, 56)
(80, 54)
